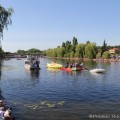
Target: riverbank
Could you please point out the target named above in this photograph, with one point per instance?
(107, 60)
(87, 59)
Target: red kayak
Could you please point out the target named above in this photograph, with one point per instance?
(73, 69)
(66, 69)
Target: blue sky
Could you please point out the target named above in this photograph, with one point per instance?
(46, 24)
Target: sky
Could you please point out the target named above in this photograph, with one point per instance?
(45, 24)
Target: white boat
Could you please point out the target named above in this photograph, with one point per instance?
(32, 63)
(97, 70)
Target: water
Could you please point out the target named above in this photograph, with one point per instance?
(59, 95)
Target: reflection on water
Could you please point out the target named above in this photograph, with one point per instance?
(53, 69)
(34, 74)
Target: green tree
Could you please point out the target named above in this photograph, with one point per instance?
(88, 42)
(63, 44)
(44, 52)
(68, 46)
(54, 52)
(106, 55)
(103, 47)
(90, 50)
(72, 54)
(33, 51)
(1, 53)
(60, 52)
(98, 55)
(51, 52)
(72, 48)
(74, 41)
(21, 52)
(5, 18)
(67, 55)
(80, 50)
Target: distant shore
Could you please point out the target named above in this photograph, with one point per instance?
(86, 59)
(107, 60)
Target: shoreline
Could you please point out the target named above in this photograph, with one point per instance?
(87, 59)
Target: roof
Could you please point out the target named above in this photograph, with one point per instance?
(117, 49)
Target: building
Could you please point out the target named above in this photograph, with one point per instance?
(114, 51)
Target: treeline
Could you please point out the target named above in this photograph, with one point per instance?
(1, 53)
(74, 49)
(30, 51)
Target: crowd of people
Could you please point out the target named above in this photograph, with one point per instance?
(5, 113)
(76, 65)
(33, 61)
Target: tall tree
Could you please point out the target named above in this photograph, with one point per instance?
(74, 41)
(104, 47)
(63, 44)
(68, 46)
(88, 42)
(5, 18)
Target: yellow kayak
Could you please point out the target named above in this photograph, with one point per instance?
(54, 65)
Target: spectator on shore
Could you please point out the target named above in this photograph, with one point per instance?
(2, 103)
(8, 114)
(2, 113)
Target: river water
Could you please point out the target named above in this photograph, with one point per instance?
(59, 95)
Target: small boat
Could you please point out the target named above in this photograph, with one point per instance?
(73, 69)
(98, 70)
(32, 63)
(66, 69)
(54, 65)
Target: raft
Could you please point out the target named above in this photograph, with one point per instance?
(54, 65)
